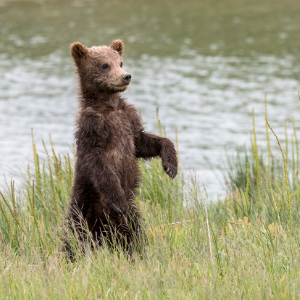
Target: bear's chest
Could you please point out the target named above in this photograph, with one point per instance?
(120, 127)
(121, 139)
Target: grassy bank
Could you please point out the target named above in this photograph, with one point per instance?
(240, 247)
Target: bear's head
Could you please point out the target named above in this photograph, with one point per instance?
(100, 68)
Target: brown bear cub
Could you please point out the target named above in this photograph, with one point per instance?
(110, 138)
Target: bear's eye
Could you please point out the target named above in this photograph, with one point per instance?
(121, 65)
(105, 66)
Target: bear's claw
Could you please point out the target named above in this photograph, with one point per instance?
(171, 170)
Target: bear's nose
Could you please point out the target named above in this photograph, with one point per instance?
(126, 78)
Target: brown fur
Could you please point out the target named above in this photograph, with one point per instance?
(110, 138)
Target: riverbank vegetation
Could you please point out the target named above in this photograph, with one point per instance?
(244, 246)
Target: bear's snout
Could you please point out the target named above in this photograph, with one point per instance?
(126, 78)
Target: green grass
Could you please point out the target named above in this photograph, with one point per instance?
(244, 246)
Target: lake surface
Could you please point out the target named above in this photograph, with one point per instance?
(205, 64)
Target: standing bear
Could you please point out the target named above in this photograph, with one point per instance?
(110, 138)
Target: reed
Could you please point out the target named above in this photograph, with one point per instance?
(296, 142)
(267, 132)
(272, 194)
(170, 208)
(17, 220)
(248, 182)
(160, 129)
(293, 153)
(255, 150)
(154, 184)
(31, 198)
(53, 190)
(285, 175)
(286, 143)
(12, 186)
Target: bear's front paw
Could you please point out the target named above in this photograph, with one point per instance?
(118, 209)
(169, 158)
(170, 168)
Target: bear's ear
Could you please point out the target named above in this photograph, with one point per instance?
(118, 46)
(79, 51)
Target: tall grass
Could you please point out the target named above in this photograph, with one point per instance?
(240, 247)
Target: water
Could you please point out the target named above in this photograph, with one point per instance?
(205, 65)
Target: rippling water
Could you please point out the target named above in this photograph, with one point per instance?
(206, 93)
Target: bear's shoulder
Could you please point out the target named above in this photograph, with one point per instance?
(133, 117)
(130, 110)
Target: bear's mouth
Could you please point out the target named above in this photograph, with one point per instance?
(119, 88)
